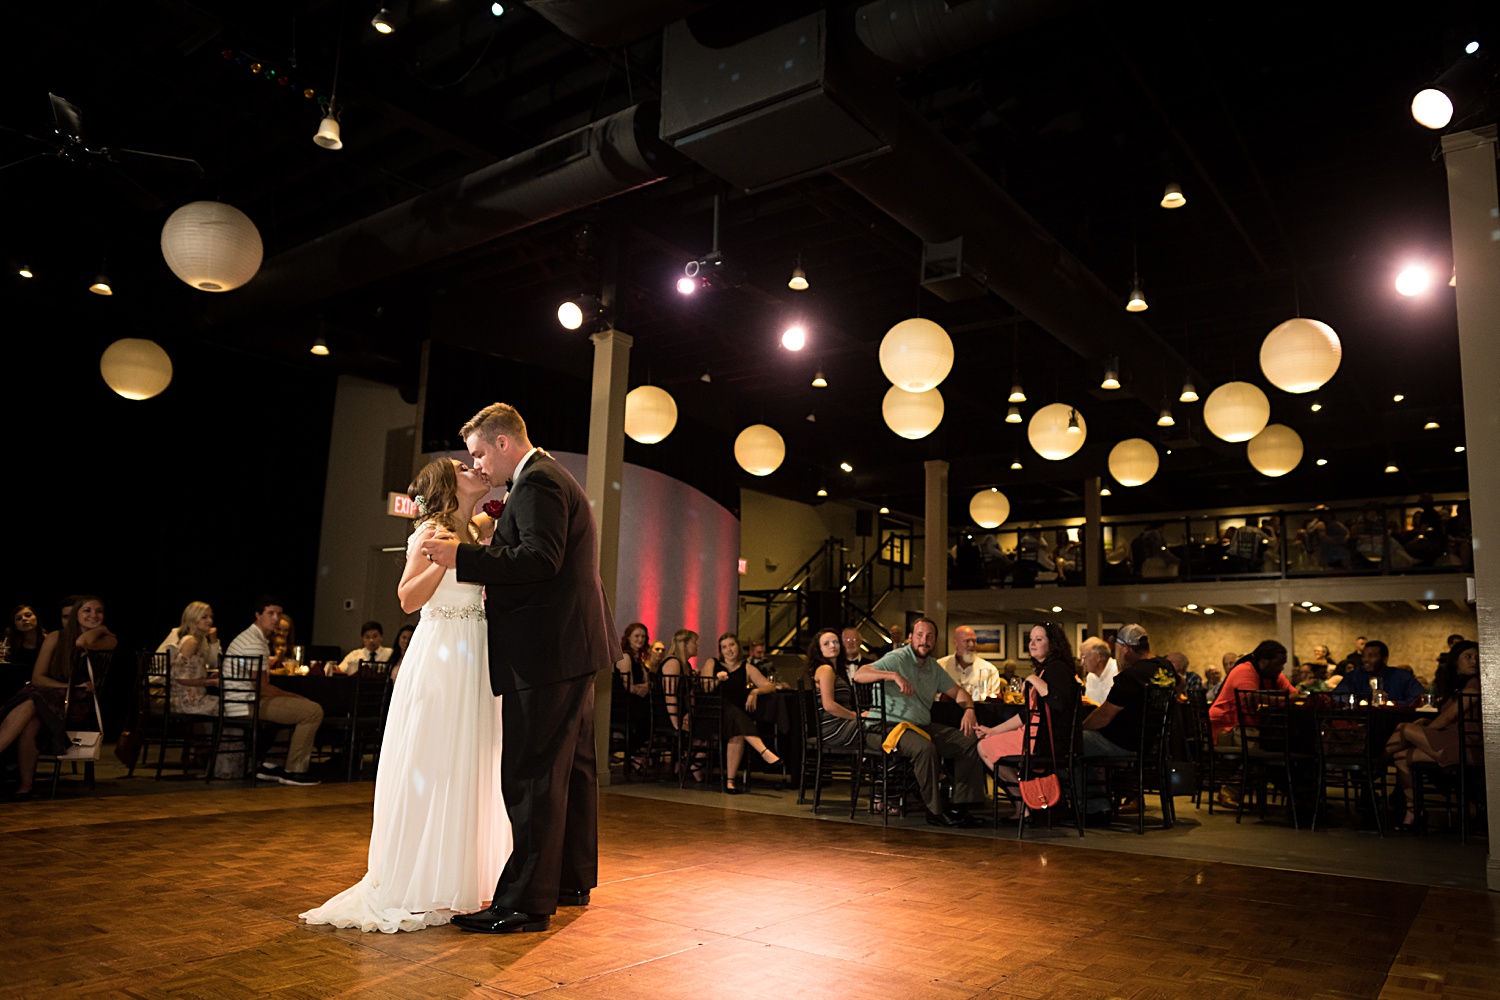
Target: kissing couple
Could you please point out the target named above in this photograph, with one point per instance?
(514, 626)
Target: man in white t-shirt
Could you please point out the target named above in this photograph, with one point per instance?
(1099, 669)
(372, 637)
(969, 670)
(303, 715)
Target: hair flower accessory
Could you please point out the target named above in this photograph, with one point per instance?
(421, 503)
(494, 508)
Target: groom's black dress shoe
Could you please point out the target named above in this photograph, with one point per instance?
(573, 897)
(493, 921)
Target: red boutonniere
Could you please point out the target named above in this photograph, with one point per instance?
(494, 508)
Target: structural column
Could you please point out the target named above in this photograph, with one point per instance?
(606, 470)
(1474, 214)
(935, 550)
(1284, 631)
(1093, 557)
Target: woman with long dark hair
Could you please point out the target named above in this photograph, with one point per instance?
(740, 685)
(633, 678)
(35, 718)
(838, 720)
(23, 640)
(1055, 685)
(1436, 740)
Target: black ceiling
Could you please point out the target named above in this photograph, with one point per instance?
(1308, 186)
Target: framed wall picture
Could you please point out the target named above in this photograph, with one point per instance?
(1080, 633)
(1023, 640)
(989, 641)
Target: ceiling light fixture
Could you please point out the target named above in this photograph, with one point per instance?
(329, 135)
(581, 309)
(1073, 427)
(846, 467)
(382, 22)
(1017, 394)
(1316, 406)
(798, 281)
(1458, 449)
(1431, 425)
(1314, 609)
(705, 377)
(1137, 301)
(794, 337)
(319, 347)
(1208, 611)
(1392, 467)
(498, 9)
(1398, 397)
(1013, 415)
(1189, 394)
(819, 382)
(1105, 492)
(25, 272)
(1192, 607)
(1111, 375)
(1414, 280)
(1056, 608)
(885, 510)
(1172, 197)
(822, 493)
(101, 284)
(1433, 607)
(686, 285)
(1015, 465)
(1460, 86)
(1307, 604)
(1322, 461)
(1166, 419)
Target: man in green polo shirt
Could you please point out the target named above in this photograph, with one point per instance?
(912, 679)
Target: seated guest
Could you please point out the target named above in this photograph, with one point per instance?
(740, 686)
(1400, 686)
(1099, 669)
(1313, 678)
(1356, 658)
(1319, 655)
(912, 681)
(634, 682)
(838, 723)
(898, 636)
(1191, 682)
(1114, 728)
(276, 705)
(969, 670)
(23, 639)
(34, 718)
(398, 648)
(676, 673)
(372, 636)
(1436, 740)
(1056, 687)
(1213, 679)
(658, 653)
(1258, 670)
(1008, 679)
(195, 654)
(851, 652)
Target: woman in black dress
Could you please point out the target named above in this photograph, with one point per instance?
(33, 718)
(838, 722)
(23, 640)
(633, 683)
(740, 685)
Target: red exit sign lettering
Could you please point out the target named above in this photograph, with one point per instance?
(400, 505)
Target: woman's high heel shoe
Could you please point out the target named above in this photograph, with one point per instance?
(1416, 826)
(769, 756)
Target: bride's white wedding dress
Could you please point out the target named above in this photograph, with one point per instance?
(440, 834)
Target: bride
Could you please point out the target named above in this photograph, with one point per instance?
(440, 834)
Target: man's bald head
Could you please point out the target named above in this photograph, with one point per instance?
(1179, 663)
(1095, 654)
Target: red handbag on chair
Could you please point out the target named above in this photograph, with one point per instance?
(1044, 792)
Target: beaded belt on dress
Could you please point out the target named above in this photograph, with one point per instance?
(448, 611)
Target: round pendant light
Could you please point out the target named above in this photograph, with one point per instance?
(912, 414)
(916, 355)
(759, 450)
(212, 246)
(1056, 431)
(989, 508)
(1275, 451)
(1300, 355)
(1236, 411)
(650, 414)
(1133, 462)
(136, 368)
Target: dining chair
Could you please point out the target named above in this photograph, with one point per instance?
(360, 726)
(1267, 742)
(1344, 747)
(1466, 773)
(1148, 767)
(1041, 756)
(891, 771)
(821, 764)
(237, 722)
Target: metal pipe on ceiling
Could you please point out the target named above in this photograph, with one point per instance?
(606, 158)
(909, 34)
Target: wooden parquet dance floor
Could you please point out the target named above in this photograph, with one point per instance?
(196, 895)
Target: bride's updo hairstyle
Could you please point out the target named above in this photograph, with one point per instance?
(437, 487)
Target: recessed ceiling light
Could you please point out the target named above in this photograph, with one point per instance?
(885, 510)
(1431, 425)
(1192, 607)
(1056, 608)
(1105, 492)
(1392, 467)
(1015, 465)
(846, 467)
(1458, 449)
(1315, 609)
(1307, 604)
(1208, 611)
(794, 338)
(1322, 461)
(1316, 407)
(822, 493)
(1414, 280)
(25, 272)
(1398, 397)
(1433, 607)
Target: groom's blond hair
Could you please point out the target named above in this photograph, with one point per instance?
(493, 421)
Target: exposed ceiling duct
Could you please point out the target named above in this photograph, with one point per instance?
(608, 23)
(907, 34)
(603, 159)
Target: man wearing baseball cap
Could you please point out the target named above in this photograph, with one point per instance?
(1114, 728)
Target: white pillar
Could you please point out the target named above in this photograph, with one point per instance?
(1474, 214)
(606, 469)
(935, 551)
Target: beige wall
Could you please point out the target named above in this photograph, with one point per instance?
(351, 567)
(784, 533)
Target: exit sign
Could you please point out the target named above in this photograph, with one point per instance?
(400, 505)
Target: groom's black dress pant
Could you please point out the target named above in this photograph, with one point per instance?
(551, 788)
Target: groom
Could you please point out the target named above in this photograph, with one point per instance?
(550, 631)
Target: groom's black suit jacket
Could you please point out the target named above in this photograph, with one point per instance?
(548, 617)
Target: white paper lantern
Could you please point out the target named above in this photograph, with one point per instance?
(989, 508)
(1056, 431)
(912, 414)
(1133, 462)
(916, 355)
(1300, 355)
(1275, 451)
(1236, 411)
(136, 368)
(212, 246)
(759, 450)
(650, 414)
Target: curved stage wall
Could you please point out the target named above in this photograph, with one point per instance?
(679, 554)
